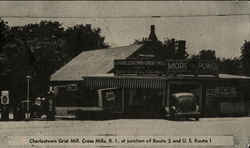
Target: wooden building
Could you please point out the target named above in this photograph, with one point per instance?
(128, 75)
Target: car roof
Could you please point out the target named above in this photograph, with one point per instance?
(182, 94)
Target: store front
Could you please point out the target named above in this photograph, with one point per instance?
(146, 103)
(144, 95)
(226, 96)
(141, 81)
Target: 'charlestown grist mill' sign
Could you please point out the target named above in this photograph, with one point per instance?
(164, 67)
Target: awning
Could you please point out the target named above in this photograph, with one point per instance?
(124, 82)
(110, 80)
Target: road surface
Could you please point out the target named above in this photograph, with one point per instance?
(239, 128)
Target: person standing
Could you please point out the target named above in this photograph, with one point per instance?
(36, 108)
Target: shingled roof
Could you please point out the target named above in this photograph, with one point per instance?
(93, 62)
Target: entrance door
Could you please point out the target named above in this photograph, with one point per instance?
(146, 103)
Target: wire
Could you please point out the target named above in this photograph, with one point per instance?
(156, 16)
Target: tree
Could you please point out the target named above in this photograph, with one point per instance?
(204, 55)
(4, 28)
(5, 67)
(38, 50)
(230, 66)
(194, 58)
(140, 41)
(34, 49)
(174, 49)
(168, 50)
(82, 38)
(207, 55)
(44, 47)
(245, 57)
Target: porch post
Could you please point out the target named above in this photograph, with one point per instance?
(163, 97)
(130, 96)
(122, 100)
(168, 94)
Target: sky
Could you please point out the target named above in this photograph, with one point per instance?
(122, 22)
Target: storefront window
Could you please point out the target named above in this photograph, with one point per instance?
(76, 98)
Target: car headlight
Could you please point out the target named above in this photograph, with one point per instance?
(173, 108)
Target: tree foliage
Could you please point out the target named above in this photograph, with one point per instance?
(230, 66)
(4, 28)
(245, 57)
(204, 55)
(82, 38)
(5, 67)
(140, 41)
(174, 49)
(39, 50)
(207, 55)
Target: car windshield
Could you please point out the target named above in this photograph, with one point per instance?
(186, 99)
(186, 103)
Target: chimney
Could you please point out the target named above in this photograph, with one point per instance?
(152, 28)
(152, 35)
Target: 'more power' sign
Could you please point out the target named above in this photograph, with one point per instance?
(177, 66)
(164, 67)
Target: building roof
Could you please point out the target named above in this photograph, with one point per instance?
(220, 75)
(93, 62)
(229, 76)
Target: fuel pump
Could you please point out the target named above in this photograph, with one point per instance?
(5, 105)
(50, 107)
(17, 113)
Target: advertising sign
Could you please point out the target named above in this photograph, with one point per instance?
(164, 67)
(110, 95)
(139, 67)
(110, 99)
(177, 66)
(225, 91)
(207, 67)
(209, 96)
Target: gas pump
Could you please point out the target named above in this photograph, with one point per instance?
(17, 113)
(50, 107)
(5, 105)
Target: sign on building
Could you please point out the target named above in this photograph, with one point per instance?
(110, 95)
(225, 91)
(209, 97)
(161, 67)
(109, 99)
(139, 67)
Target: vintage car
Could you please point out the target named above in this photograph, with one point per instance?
(183, 105)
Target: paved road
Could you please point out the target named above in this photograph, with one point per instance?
(239, 128)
